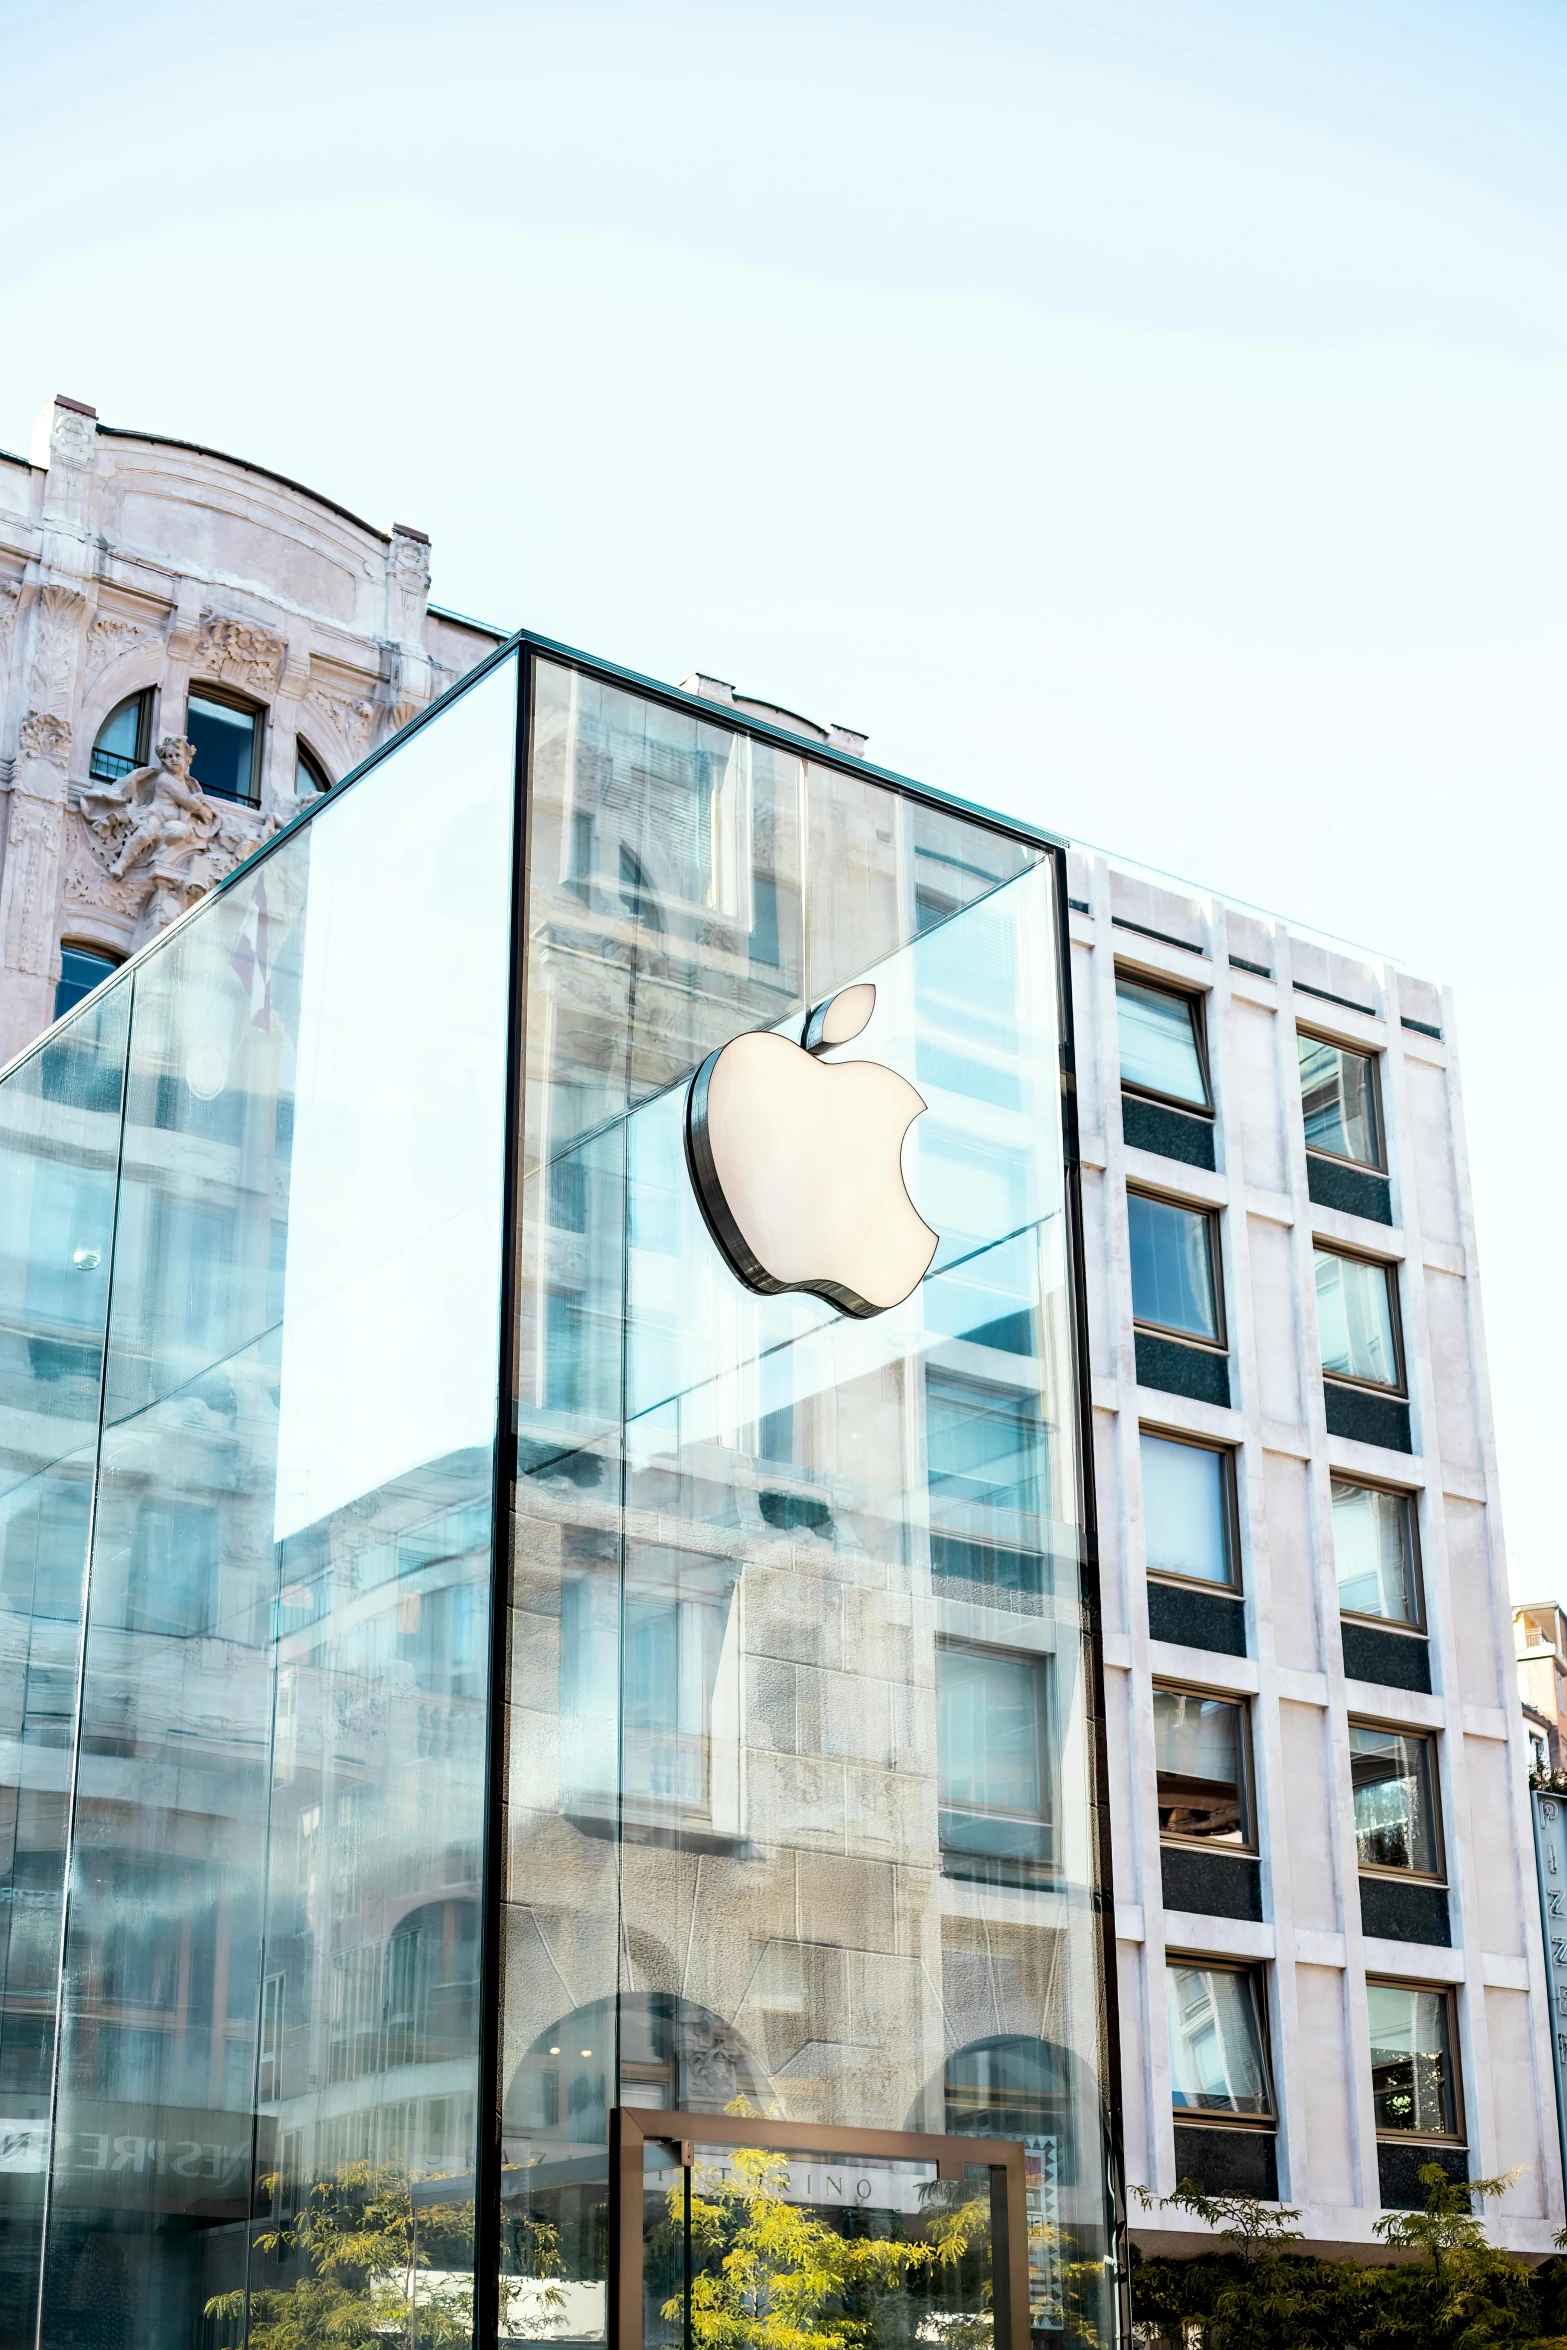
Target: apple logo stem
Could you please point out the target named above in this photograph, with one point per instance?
(797, 1164)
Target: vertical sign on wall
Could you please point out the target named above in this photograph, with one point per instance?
(1550, 1854)
(1040, 2168)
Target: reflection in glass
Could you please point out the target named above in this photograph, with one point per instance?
(1186, 1510)
(1339, 1101)
(1159, 1049)
(1172, 1266)
(759, 1545)
(1217, 2063)
(1411, 2061)
(1395, 1815)
(1374, 1552)
(1200, 1753)
(1355, 1319)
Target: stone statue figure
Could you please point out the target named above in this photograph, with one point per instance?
(160, 807)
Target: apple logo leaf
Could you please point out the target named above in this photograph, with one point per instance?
(797, 1163)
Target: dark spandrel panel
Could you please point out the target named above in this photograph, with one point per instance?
(1399, 2167)
(1404, 1912)
(59, 1140)
(1228, 2162)
(1367, 1418)
(1182, 1370)
(1214, 1884)
(1396, 1660)
(1351, 1190)
(1154, 1126)
(1196, 1619)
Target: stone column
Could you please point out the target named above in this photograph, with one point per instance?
(411, 680)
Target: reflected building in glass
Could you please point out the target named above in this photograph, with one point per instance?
(500, 1636)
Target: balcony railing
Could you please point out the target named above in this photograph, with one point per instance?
(109, 766)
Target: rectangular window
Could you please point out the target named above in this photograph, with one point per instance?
(994, 1747)
(1174, 1284)
(1375, 1553)
(984, 1448)
(1218, 2049)
(1413, 2088)
(1338, 1099)
(1200, 1753)
(1395, 1801)
(1161, 1043)
(1357, 1321)
(227, 737)
(1188, 1510)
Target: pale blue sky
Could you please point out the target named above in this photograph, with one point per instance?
(1149, 418)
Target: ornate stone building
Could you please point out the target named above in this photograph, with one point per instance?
(155, 595)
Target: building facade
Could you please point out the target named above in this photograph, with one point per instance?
(153, 591)
(1540, 1646)
(1329, 1968)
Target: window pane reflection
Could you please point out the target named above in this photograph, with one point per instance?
(1395, 1818)
(1355, 1319)
(1411, 2061)
(1338, 1101)
(1172, 1266)
(1217, 2063)
(1374, 1552)
(1200, 1752)
(1186, 1510)
(1158, 1036)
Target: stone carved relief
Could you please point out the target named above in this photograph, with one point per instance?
(155, 842)
(72, 437)
(239, 653)
(352, 721)
(410, 564)
(54, 647)
(45, 736)
(28, 896)
(109, 636)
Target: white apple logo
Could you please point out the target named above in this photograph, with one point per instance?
(798, 1164)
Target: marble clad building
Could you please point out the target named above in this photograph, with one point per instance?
(150, 589)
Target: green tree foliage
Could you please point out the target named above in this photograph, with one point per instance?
(1449, 2290)
(380, 2272)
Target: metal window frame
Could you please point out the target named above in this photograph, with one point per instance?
(201, 689)
(1453, 2073)
(1388, 1268)
(1040, 1661)
(1241, 1700)
(1196, 1002)
(1234, 1585)
(1210, 1219)
(1192, 2117)
(1314, 1150)
(1409, 1496)
(1427, 1739)
(632, 2127)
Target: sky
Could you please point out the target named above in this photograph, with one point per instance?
(1148, 417)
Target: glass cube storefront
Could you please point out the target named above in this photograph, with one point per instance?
(476, 1655)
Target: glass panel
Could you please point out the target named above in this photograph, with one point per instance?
(59, 1141)
(1339, 1102)
(1186, 1510)
(744, 1521)
(1199, 1750)
(1355, 1320)
(1411, 2060)
(269, 2003)
(1374, 1550)
(309, 775)
(80, 973)
(1159, 1042)
(993, 1742)
(118, 747)
(1172, 1266)
(1217, 2063)
(1395, 1818)
(748, 2237)
(225, 740)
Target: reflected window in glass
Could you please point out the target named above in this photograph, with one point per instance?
(1188, 1528)
(1374, 1552)
(1160, 1033)
(1201, 1758)
(81, 970)
(227, 736)
(1173, 1267)
(1412, 2073)
(983, 1445)
(1357, 1322)
(1338, 1097)
(993, 1738)
(1218, 2050)
(1394, 1780)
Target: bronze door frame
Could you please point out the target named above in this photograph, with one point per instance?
(630, 2128)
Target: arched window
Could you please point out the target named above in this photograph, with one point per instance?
(309, 774)
(81, 970)
(122, 743)
(227, 733)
